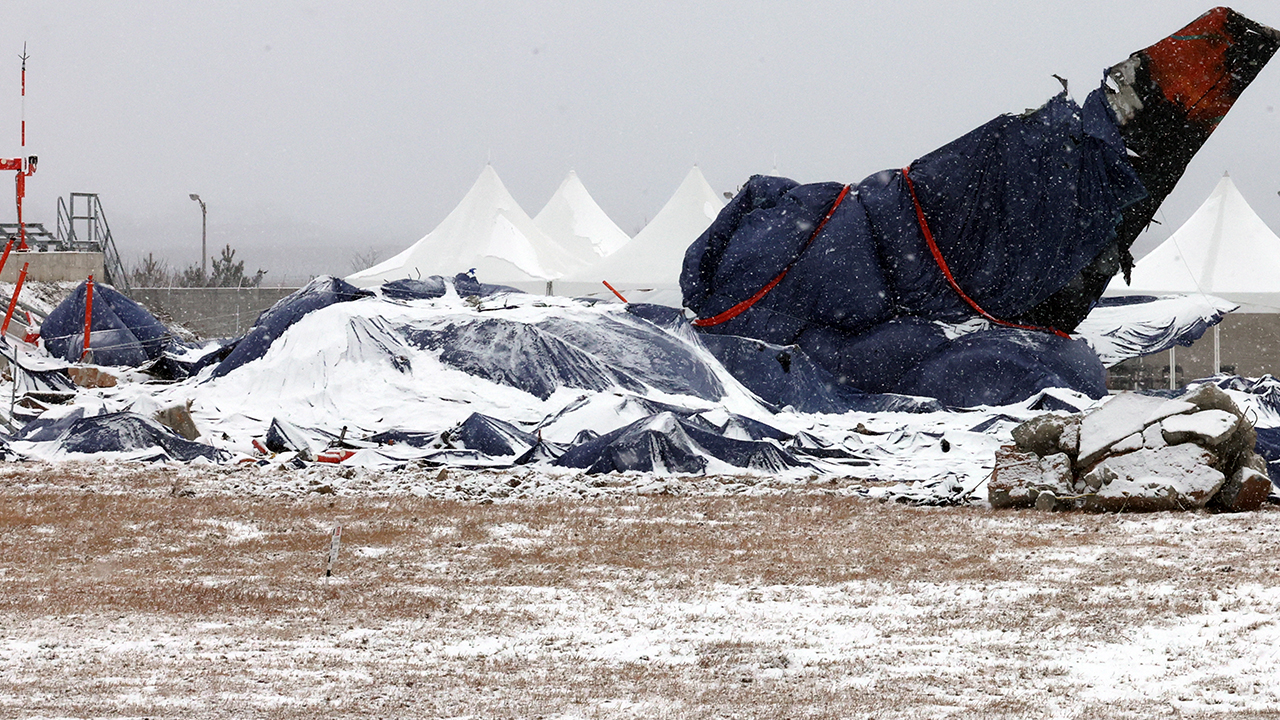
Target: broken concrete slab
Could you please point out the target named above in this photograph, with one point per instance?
(1019, 477)
(1206, 427)
(1047, 435)
(1153, 437)
(1244, 491)
(1128, 444)
(1208, 396)
(178, 419)
(1179, 477)
(1120, 417)
(1180, 456)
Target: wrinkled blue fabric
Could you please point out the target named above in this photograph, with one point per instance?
(410, 289)
(1017, 208)
(122, 331)
(1003, 366)
(786, 376)
(491, 436)
(130, 432)
(541, 357)
(272, 323)
(669, 442)
(466, 285)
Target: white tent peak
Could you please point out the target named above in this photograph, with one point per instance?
(487, 231)
(574, 220)
(1223, 249)
(654, 258)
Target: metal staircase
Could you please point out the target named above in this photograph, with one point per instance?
(38, 237)
(82, 227)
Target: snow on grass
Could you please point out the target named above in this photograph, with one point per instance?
(147, 603)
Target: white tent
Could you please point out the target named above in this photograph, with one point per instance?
(1224, 250)
(487, 231)
(654, 258)
(574, 220)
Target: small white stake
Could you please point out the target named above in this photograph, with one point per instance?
(333, 550)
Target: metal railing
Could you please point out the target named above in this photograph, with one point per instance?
(38, 238)
(82, 226)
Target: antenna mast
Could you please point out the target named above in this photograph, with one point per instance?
(25, 167)
(24, 97)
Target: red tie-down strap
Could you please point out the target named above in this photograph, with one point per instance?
(743, 306)
(946, 271)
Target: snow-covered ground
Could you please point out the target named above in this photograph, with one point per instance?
(468, 586)
(168, 591)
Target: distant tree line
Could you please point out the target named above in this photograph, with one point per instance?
(226, 272)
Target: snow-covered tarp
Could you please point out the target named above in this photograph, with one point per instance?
(483, 378)
(1022, 222)
(453, 373)
(122, 332)
(1120, 328)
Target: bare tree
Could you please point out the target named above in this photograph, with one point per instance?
(363, 260)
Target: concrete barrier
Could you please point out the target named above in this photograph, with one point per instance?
(210, 312)
(52, 266)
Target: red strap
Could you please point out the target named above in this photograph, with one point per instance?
(946, 271)
(743, 306)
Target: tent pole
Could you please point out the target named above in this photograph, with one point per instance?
(1173, 370)
(1217, 349)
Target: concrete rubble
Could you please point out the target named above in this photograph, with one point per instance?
(1135, 453)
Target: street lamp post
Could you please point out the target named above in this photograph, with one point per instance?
(204, 233)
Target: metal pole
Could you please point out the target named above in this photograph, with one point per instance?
(204, 234)
(22, 277)
(88, 318)
(1173, 369)
(29, 167)
(1217, 349)
(24, 97)
(13, 392)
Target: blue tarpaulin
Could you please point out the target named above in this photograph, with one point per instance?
(271, 324)
(122, 332)
(117, 432)
(673, 443)
(1120, 328)
(1017, 208)
(410, 289)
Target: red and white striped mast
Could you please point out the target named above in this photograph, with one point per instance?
(24, 166)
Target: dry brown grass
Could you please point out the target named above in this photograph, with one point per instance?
(153, 604)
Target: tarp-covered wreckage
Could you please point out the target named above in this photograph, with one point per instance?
(122, 332)
(951, 282)
(1021, 223)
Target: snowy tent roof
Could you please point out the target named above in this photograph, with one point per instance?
(1224, 249)
(655, 256)
(574, 220)
(487, 231)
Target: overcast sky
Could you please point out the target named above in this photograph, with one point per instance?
(318, 130)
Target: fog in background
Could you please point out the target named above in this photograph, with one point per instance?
(317, 131)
